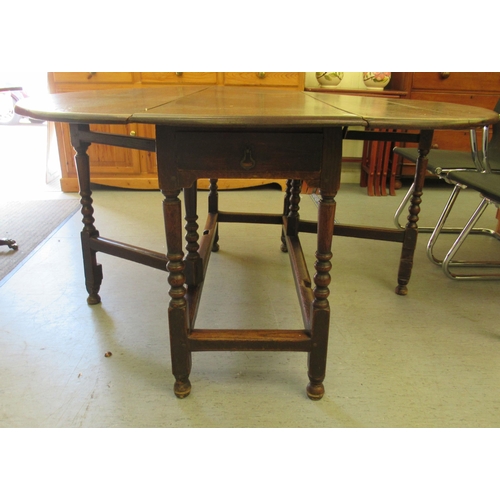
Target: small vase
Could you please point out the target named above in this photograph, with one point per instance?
(329, 79)
(376, 80)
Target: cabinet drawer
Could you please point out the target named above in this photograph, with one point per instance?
(179, 78)
(249, 154)
(263, 79)
(88, 77)
(484, 82)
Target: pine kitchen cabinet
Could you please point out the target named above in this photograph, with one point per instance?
(120, 167)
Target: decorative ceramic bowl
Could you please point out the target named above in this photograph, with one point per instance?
(329, 79)
(376, 80)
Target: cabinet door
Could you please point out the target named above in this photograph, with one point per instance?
(108, 160)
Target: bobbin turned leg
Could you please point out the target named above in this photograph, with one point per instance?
(320, 317)
(411, 230)
(92, 270)
(177, 310)
(320, 308)
(194, 265)
(213, 208)
(286, 210)
(291, 209)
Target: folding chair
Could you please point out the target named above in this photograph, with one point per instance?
(441, 163)
(488, 186)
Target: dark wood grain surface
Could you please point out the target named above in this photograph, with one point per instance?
(217, 106)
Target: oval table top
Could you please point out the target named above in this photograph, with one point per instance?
(216, 106)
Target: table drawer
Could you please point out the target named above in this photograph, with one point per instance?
(248, 154)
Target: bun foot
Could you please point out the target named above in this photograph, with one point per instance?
(316, 391)
(283, 248)
(215, 247)
(182, 389)
(402, 290)
(93, 299)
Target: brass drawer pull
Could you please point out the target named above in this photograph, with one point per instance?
(247, 163)
(179, 74)
(261, 75)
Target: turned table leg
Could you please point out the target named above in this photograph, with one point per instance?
(320, 308)
(411, 230)
(194, 265)
(177, 310)
(93, 270)
(286, 209)
(320, 317)
(213, 208)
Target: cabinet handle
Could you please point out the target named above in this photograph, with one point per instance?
(132, 132)
(179, 74)
(444, 76)
(261, 75)
(90, 75)
(247, 161)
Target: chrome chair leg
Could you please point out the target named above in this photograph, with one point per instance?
(451, 230)
(440, 223)
(449, 262)
(402, 206)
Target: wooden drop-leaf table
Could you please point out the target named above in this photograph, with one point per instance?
(213, 132)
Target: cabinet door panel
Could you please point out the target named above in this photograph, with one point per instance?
(112, 160)
(148, 159)
(106, 160)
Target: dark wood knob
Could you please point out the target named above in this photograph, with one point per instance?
(444, 76)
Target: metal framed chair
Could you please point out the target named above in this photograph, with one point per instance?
(441, 163)
(488, 186)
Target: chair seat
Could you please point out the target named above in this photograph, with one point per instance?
(440, 160)
(485, 183)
